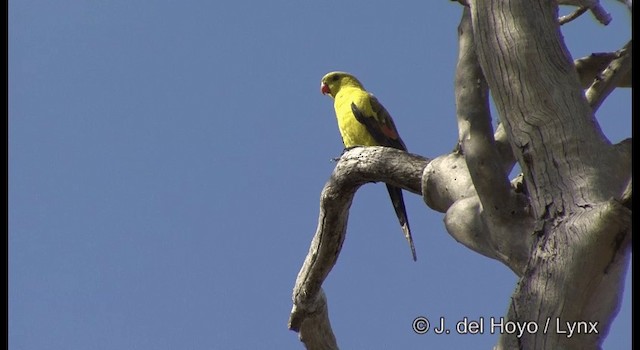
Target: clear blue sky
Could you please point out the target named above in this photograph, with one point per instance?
(166, 159)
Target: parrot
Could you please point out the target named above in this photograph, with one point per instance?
(363, 121)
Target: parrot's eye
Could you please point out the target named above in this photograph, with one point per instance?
(335, 78)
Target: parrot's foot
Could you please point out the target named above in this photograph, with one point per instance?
(345, 150)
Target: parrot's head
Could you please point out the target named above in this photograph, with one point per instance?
(332, 82)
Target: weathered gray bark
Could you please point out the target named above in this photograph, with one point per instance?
(356, 167)
(563, 226)
(573, 176)
(591, 67)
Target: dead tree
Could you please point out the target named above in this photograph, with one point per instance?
(563, 225)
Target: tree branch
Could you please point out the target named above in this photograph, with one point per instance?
(474, 128)
(573, 15)
(355, 168)
(583, 5)
(446, 178)
(591, 67)
(314, 327)
(618, 69)
(507, 158)
(593, 5)
(483, 211)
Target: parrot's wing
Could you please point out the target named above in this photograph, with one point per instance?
(380, 125)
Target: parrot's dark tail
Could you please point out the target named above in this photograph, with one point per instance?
(398, 205)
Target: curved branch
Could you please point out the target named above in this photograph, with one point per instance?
(594, 6)
(618, 69)
(314, 329)
(590, 68)
(507, 158)
(446, 178)
(474, 127)
(483, 211)
(356, 167)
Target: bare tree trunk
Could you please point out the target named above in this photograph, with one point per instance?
(573, 176)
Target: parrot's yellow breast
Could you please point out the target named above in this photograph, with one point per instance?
(352, 131)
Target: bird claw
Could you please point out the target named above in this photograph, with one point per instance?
(345, 150)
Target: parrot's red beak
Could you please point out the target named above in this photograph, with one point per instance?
(324, 88)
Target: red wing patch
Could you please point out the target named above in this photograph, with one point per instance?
(380, 125)
(389, 132)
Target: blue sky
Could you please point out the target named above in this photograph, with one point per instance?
(166, 160)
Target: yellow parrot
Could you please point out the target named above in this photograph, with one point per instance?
(363, 121)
